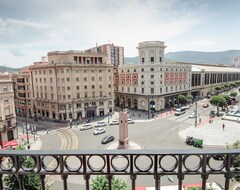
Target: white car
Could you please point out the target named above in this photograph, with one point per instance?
(99, 130)
(130, 121)
(101, 124)
(86, 127)
(192, 115)
(114, 122)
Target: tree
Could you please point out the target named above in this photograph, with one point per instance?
(218, 88)
(182, 99)
(233, 94)
(101, 183)
(236, 162)
(218, 101)
(227, 98)
(190, 98)
(31, 181)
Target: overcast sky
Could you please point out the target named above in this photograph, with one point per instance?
(31, 28)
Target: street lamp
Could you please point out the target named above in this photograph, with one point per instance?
(148, 107)
(28, 145)
(196, 112)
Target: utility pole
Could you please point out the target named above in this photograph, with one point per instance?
(196, 112)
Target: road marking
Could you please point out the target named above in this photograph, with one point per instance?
(175, 128)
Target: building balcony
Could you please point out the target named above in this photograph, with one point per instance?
(154, 164)
(9, 116)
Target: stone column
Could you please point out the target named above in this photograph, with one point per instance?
(123, 131)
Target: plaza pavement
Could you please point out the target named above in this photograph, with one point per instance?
(212, 134)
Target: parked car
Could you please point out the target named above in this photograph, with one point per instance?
(107, 139)
(99, 130)
(192, 115)
(86, 127)
(130, 121)
(180, 111)
(218, 157)
(101, 124)
(114, 122)
(205, 105)
(187, 106)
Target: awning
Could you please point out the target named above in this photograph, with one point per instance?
(10, 143)
(140, 188)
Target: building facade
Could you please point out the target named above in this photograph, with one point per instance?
(7, 109)
(22, 84)
(152, 84)
(73, 84)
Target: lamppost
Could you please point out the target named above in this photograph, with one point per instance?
(196, 119)
(148, 107)
(28, 145)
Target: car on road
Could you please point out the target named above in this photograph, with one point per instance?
(130, 121)
(99, 130)
(86, 127)
(107, 139)
(206, 105)
(180, 111)
(192, 115)
(114, 122)
(101, 124)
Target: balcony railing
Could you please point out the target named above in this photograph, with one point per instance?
(132, 163)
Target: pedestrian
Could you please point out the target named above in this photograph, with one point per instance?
(200, 120)
(133, 114)
(139, 115)
(223, 126)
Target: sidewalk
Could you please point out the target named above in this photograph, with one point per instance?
(213, 134)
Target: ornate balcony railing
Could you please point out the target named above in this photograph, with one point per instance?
(133, 163)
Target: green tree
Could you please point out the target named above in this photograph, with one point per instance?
(233, 94)
(227, 98)
(236, 162)
(31, 181)
(182, 99)
(190, 98)
(218, 101)
(101, 183)
(218, 89)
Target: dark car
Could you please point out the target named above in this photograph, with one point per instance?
(218, 157)
(107, 139)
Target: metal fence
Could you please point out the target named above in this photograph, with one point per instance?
(155, 163)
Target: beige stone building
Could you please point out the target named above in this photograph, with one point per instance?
(73, 84)
(152, 83)
(23, 93)
(8, 130)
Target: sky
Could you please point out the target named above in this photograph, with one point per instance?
(29, 29)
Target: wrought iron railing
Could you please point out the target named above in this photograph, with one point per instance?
(156, 163)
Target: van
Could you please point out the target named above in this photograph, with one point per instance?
(180, 111)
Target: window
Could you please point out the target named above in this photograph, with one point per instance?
(44, 72)
(101, 103)
(93, 86)
(62, 79)
(52, 96)
(142, 83)
(152, 83)
(152, 69)
(6, 101)
(142, 59)
(142, 90)
(100, 78)
(142, 76)
(93, 78)
(142, 69)
(128, 89)
(79, 105)
(135, 90)
(63, 88)
(44, 80)
(67, 70)
(160, 69)
(160, 90)
(85, 87)
(78, 96)
(134, 70)
(160, 59)
(166, 89)
(100, 86)
(109, 86)
(85, 78)
(35, 72)
(152, 59)
(50, 71)
(68, 88)
(77, 79)
(77, 87)
(109, 70)
(51, 88)
(40, 72)
(152, 76)
(101, 94)
(93, 94)
(92, 71)
(100, 71)
(5, 89)
(152, 90)
(51, 80)
(68, 79)
(45, 88)
(85, 95)
(160, 76)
